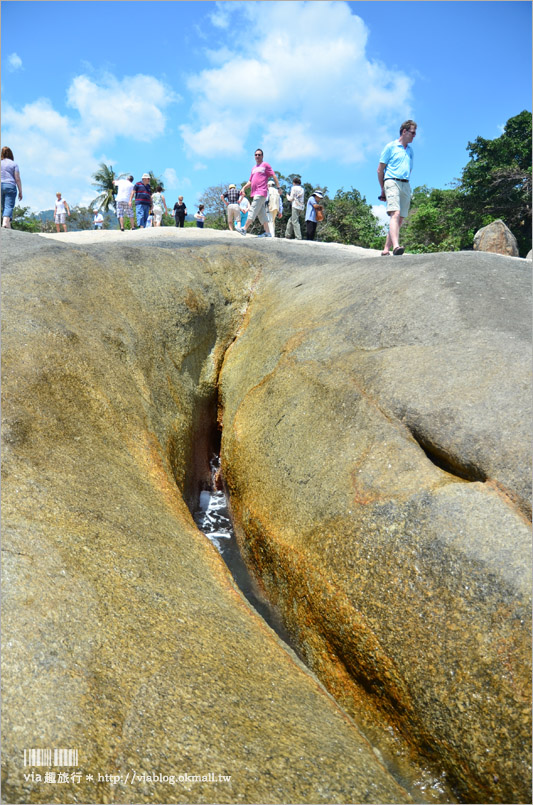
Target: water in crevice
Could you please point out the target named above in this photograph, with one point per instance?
(213, 518)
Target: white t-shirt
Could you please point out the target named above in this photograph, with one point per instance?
(124, 189)
(297, 197)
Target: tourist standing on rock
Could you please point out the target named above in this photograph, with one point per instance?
(259, 191)
(159, 205)
(200, 216)
(296, 197)
(394, 171)
(274, 201)
(123, 200)
(244, 206)
(314, 209)
(180, 212)
(143, 200)
(61, 210)
(98, 220)
(231, 199)
(10, 183)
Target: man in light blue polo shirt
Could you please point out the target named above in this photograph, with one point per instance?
(394, 170)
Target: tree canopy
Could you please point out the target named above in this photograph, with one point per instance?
(495, 183)
(103, 181)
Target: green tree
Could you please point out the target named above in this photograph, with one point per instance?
(25, 221)
(350, 220)
(496, 182)
(437, 222)
(215, 209)
(82, 218)
(103, 181)
(155, 182)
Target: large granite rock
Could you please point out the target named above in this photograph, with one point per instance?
(496, 237)
(376, 445)
(124, 636)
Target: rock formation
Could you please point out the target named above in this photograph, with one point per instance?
(496, 237)
(124, 636)
(376, 448)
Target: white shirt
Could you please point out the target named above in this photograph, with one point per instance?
(296, 196)
(124, 189)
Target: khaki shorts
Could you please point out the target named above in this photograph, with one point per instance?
(234, 213)
(257, 210)
(398, 196)
(158, 214)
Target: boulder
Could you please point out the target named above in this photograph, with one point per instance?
(496, 237)
(529, 255)
(376, 447)
(124, 636)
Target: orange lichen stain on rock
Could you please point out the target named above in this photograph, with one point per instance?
(523, 507)
(327, 624)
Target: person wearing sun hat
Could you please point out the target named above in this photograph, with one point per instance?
(313, 206)
(143, 200)
(231, 199)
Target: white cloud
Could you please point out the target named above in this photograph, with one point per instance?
(14, 62)
(61, 152)
(297, 74)
(214, 139)
(114, 107)
(172, 182)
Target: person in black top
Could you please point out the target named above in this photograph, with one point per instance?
(180, 211)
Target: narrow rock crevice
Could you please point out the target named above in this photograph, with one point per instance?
(451, 464)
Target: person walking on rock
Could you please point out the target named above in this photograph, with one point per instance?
(98, 220)
(180, 212)
(61, 210)
(143, 200)
(394, 171)
(200, 216)
(123, 200)
(10, 183)
(296, 197)
(274, 200)
(244, 206)
(313, 208)
(259, 191)
(159, 205)
(231, 199)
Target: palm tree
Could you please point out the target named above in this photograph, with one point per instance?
(155, 182)
(105, 176)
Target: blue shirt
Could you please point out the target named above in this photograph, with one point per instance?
(399, 160)
(310, 212)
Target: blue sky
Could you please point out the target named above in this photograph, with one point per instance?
(190, 89)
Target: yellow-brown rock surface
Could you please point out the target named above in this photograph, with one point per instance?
(124, 636)
(376, 446)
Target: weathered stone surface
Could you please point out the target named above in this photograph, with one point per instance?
(529, 255)
(376, 445)
(496, 237)
(123, 634)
